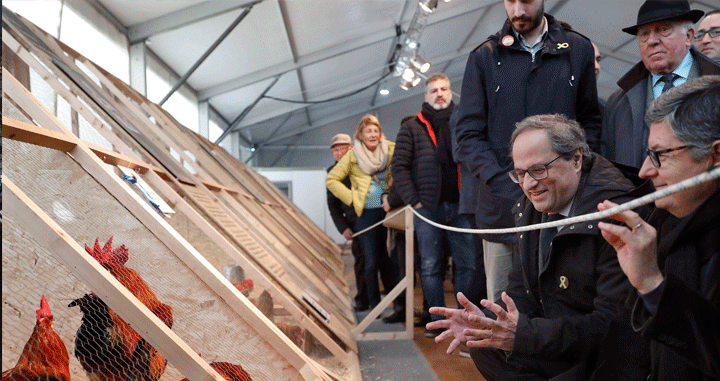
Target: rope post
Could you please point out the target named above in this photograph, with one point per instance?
(409, 270)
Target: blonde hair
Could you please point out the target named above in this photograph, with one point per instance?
(367, 120)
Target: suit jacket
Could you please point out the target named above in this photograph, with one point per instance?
(625, 133)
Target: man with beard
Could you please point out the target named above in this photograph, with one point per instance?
(532, 66)
(426, 177)
(665, 30)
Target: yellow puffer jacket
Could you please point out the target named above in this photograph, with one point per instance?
(359, 181)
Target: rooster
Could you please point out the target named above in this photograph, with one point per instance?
(230, 372)
(44, 357)
(106, 346)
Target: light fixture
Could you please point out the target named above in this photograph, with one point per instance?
(384, 91)
(416, 81)
(405, 85)
(447, 1)
(420, 64)
(428, 5)
(412, 44)
(408, 74)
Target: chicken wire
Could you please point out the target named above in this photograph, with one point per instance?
(85, 210)
(218, 258)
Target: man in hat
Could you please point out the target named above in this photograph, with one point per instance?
(344, 217)
(533, 65)
(707, 38)
(665, 31)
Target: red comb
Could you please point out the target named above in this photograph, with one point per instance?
(44, 311)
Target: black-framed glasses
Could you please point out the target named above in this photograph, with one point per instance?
(537, 172)
(655, 155)
(713, 32)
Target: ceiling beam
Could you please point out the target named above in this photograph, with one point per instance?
(328, 121)
(183, 17)
(331, 52)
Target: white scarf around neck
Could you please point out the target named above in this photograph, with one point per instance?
(371, 161)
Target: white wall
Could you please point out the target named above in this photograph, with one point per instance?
(308, 193)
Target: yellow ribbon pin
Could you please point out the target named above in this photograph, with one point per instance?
(563, 282)
(563, 45)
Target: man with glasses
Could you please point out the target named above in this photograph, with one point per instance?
(665, 31)
(707, 38)
(566, 286)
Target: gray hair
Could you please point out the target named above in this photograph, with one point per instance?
(686, 25)
(692, 110)
(565, 134)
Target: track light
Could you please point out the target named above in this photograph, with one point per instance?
(416, 81)
(405, 85)
(420, 64)
(428, 5)
(412, 44)
(408, 74)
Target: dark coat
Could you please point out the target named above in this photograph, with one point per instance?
(565, 312)
(343, 216)
(682, 340)
(625, 133)
(503, 85)
(416, 171)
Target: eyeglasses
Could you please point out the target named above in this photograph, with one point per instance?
(537, 172)
(655, 155)
(713, 32)
(663, 30)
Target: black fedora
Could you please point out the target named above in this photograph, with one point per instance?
(659, 10)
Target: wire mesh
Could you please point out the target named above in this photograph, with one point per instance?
(86, 211)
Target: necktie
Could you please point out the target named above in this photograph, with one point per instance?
(546, 237)
(668, 79)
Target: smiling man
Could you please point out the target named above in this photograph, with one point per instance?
(566, 285)
(665, 31)
(707, 38)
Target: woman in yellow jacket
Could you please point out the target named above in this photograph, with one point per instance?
(368, 165)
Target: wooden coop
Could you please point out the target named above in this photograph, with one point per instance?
(86, 158)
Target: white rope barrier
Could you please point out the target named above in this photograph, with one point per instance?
(704, 177)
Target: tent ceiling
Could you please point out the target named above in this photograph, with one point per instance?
(321, 49)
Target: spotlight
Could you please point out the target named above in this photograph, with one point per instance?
(408, 74)
(447, 1)
(416, 81)
(411, 44)
(420, 64)
(384, 91)
(428, 5)
(405, 85)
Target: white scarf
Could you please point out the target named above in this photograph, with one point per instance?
(371, 161)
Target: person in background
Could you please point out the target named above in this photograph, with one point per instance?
(669, 327)
(665, 31)
(707, 38)
(426, 177)
(344, 218)
(507, 78)
(566, 284)
(368, 165)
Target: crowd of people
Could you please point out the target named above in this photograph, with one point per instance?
(632, 297)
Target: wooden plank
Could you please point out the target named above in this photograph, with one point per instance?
(252, 270)
(32, 134)
(27, 31)
(171, 239)
(50, 235)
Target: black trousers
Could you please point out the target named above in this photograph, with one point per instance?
(361, 298)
